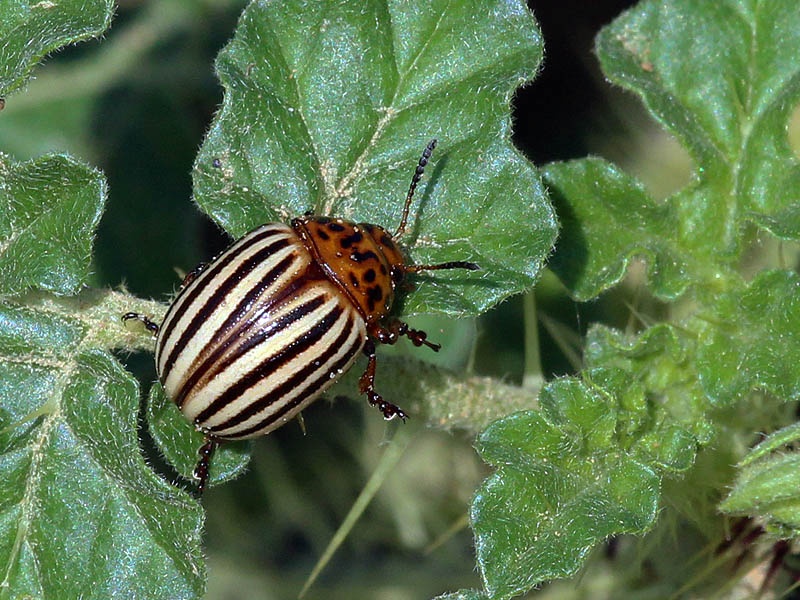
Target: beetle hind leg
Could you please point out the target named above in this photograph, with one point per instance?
(366, 385)
(193, 274)
(205, 454)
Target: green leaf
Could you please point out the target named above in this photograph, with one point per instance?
(329, 105)
(29, 30)
(730, 111)
(464, 595)
(179, 441)
(78, 517)
(594, 198)
(82, 514)
(49, 210)
(663, 414)
(560, 489)
(726, 94)
(788, 436)
(767, 484)
(784, 223)
(752, 340)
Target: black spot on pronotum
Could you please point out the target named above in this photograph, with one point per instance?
(374, 295)
(336, 227)
(362, 256)
(348, 241)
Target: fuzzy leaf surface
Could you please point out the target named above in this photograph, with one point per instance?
(50, 209)
(726, 95)
(752, 342)
(608, 218)
(29, 30)
(560, 488)
(329, 105)
(767, 483)
(662, 407)
(82, 515)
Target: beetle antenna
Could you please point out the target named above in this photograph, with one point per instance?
(423, 160)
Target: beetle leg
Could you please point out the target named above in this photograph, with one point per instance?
(394, 329)
(204, 463)
(193, 274)
(301, 421)
(366, 385)
(151, 326)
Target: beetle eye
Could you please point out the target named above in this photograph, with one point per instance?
(397, 274)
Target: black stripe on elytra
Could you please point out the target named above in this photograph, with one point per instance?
(183, 300)
(267, 366)
(313, 387)
(223, 288)
(175, 312)
(211, 365)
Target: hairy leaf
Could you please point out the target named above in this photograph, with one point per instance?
(29, 30)
(78, 517)
(329, 105)
(767, 483)
(662, 406)
(560, 488)
(594, 198)
(722, 77)
(752, 342)
(49, 209)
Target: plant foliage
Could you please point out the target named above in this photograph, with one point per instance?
(327, 107)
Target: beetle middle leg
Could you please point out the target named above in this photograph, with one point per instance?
(366, 385)
(394, 329)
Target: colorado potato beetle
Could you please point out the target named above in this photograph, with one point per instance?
(255, 336)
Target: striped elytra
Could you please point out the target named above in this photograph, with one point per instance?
(264, 329)
(256, 336)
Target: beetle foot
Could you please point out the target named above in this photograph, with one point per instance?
(389, 410)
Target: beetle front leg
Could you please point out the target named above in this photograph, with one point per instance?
(366, 385)
(151, 326)
(193, 274)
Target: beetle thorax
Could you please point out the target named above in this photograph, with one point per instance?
(362, 259)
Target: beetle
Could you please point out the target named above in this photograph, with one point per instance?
(259, 333)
